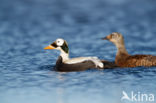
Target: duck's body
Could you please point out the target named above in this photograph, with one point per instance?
(66, 64)
(81, 65)
(75, 66)
(123, 59)
(135, 60)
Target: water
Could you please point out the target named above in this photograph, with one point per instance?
(27, 26)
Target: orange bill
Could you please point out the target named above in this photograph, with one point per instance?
(49, 47)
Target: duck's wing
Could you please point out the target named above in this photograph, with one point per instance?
(141, 60)
(94, 60)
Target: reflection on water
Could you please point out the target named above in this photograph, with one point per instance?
(26, 27)
(47, 67)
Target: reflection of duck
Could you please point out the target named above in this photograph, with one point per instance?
(64, 63)
(123, 59)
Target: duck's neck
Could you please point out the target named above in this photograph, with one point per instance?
(64, 55)
(121, 48)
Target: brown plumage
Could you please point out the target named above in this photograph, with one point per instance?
(123, 59)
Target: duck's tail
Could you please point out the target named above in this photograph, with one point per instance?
(108, 64)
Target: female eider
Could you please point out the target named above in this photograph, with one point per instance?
(123, 59)
(66, 64)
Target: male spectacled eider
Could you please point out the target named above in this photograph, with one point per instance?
(66, 64)
(123, 59)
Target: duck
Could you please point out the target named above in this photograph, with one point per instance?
(123, 59)
(66, 64)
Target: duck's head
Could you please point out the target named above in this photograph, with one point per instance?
(115, 38)
(59, 44)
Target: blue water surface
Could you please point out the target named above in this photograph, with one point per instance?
(27, 26)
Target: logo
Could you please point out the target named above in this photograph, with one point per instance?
(137, 97)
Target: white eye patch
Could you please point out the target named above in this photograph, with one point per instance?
(59, 42)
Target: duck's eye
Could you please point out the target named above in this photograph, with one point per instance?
(59, 43)
(113, 36)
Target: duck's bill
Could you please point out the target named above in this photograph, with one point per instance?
(105, 38)
(49, 47)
